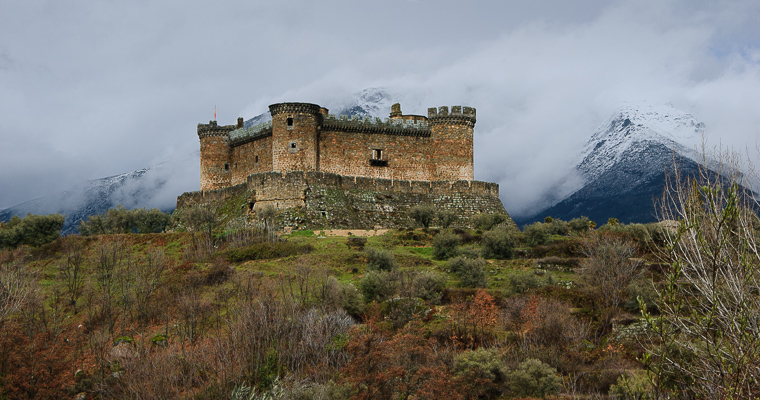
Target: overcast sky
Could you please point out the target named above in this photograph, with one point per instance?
(90, 89)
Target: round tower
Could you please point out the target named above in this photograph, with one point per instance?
(215, 155)
(452, 139)
(295, 141)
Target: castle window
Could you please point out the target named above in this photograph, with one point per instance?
(293, 147)
(226, 167)
(377, 159)
(256, 159)
(290, 122)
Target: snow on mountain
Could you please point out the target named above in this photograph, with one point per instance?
(624, 164)
(634, 125)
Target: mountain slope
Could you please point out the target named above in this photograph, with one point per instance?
(625, 163)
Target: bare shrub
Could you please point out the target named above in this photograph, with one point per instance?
(610, 267)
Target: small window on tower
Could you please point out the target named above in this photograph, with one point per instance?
(226, 167)
(377, 154)
(256, 159)
(290, 122)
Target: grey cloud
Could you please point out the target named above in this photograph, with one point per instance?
(97, 89)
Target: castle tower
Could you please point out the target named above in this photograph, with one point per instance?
(452, 142)
(295, 128)
(215, 155)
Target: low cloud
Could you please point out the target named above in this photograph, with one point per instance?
(107, 98)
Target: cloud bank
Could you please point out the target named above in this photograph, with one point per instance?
(93, 90)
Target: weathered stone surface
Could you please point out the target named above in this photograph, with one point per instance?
(319, 199)
(322, 170)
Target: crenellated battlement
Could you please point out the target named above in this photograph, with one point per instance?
(244, 135)
(388, 126)
(212, 129)
(458, 115)
(298, 108)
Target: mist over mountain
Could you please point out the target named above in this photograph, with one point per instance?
(620, 172)
(624, 165)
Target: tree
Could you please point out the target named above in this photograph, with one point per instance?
(32, 230)
(498, 243)
(609, 267)
(445, 245)
(71, 270)
(446, 218)
(705, 342)
(423, 215)
(15, 287)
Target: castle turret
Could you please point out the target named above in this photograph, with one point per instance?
(215, 155)
(295, 128)
(452, 131)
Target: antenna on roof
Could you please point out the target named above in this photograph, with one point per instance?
(214, 112)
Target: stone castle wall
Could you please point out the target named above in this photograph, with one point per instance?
(317, 199)
(305, 137)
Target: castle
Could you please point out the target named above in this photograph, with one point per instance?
(304, 156)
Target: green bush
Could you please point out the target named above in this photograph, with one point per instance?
(498, 243)
(482, 370)
(487, 221)
(558, 227)
(121, 220)
(380, 260)
(32, 230)
(428, 286)
(581, 225)
(535, 379)
(445, 245)
(469, 271)
(423, 215)
(379, 285)
(634, 387)
(536, 234)
(640, 289)
(446, 218)
(521, 282)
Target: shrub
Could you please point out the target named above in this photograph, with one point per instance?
(581, 225)
(428, 286)
(536, 234)
(634, 387)
(380, 260)
(521, 282)
(482, 371)
(534, 378)
(423, 215)
(469, 271)
(379, 285)
(356, 242)
(644, 290)
(498, 243)
(446, 218)
(445, 245)
(121, 220)
(32, 230)
(558, 227)
(487, 221)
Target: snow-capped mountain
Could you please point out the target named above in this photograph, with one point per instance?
(624, 164)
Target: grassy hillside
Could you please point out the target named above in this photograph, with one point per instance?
(306, 315)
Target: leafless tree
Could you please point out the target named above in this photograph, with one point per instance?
(15, 287)
(71, 270)
(610, 267)
(706, 342)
